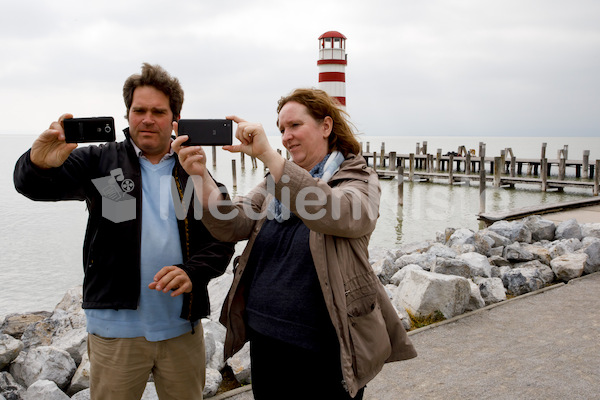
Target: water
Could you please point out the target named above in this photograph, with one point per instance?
(41, 242)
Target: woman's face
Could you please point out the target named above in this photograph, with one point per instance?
(305, 138)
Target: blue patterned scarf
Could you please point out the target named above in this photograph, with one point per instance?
(323, 170)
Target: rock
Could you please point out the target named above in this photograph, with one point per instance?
(240, 365)
(81, 379)
(541, 229)
(476, 300)
(43, 363)
(424, 260)
(499, 261)
(399, 276)
(415, 247)
(385, 269)
(593, 261)
(562, 247)
(150, 392)
(10, 388)
(463, 248)
(486, 240)
(460, 237)
(439, 250)
(492, 289)
(214, 337)
(569, 266)
(377, 253)
(218, 288)
(213, 381)
(452, 266)
(15, 324)
(423, 293)
(519, 281)
(539, 253)
(514, 230)
(545, 271)
(44, 389)
(517, 253)
(590, 230)
(83, 395)
(478, 264)
(568, 229)
(9, 349)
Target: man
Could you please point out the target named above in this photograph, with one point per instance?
(146, 275)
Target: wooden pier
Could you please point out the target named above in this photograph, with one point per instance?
(504, 170)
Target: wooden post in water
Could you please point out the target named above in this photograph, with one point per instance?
(586, 164)
(242, 160)
(411, 166)
(401, 185)
(544, 173)
(482, 183)
(234, 172)
(375, 161)
(562, 165)
(596, 177)
(368, 147)
(451, 169)
(392, 164)
(253, 162)
(424, 146)
(468, 164)
(438, 159)
(214, 156)
(503, 161)
(382, 157)
(497, 171)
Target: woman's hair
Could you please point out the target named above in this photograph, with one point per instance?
(321, 105)
(157, 77)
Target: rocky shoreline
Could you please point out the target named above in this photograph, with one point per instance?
(44, 355)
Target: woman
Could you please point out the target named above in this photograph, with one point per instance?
(304, 293)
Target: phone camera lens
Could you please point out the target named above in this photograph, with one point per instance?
(107, 129)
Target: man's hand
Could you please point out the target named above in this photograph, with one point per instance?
(50, 149)
(171, 278)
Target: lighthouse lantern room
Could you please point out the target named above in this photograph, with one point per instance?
(332, 65)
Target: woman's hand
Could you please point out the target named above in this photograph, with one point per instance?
(254, 142)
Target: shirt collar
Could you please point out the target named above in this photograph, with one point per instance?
(140, 153)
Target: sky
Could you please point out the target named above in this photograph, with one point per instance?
(415, 67)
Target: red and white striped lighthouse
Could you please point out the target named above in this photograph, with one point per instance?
(332, 65)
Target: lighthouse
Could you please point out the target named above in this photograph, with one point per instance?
(332, 65)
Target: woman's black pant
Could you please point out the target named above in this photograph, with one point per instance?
(284, 371)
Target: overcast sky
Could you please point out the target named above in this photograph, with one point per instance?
(415, 67)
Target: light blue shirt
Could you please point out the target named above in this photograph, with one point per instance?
(157, 316)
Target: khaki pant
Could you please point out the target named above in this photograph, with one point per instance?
(119, 368)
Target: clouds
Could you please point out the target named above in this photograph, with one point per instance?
(452, 67)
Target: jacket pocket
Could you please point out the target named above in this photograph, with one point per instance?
(371, 345)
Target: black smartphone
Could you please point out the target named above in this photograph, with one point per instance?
(206, 132)
(85, 130)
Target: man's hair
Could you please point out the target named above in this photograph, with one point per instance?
(157, 77)
(321, 105)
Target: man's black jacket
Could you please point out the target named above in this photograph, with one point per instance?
(111, 251)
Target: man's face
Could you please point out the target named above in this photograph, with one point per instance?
(151, 122)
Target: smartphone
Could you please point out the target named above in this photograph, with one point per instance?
(85, 130)
(206, 132)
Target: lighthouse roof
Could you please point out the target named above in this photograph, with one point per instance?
(332, 34)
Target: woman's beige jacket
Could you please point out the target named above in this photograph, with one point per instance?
(341, 215)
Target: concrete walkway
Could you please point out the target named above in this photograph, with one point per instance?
(543, 345)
